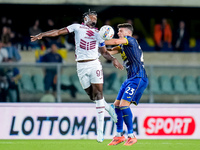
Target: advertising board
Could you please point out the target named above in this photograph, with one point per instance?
(78, 120)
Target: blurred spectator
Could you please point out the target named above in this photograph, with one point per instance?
(181, 38)
(9, 78)
(13, 76)
(34, 30)
(3, 21)
(6, 37)
(3, 85)
(50, 26)
(50, 78)
(3, 53)
(163, 35)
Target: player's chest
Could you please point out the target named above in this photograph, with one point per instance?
(87, 34)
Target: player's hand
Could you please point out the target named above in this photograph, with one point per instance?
(36, 37)
(117, 64)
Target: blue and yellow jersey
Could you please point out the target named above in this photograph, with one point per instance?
(132, 56)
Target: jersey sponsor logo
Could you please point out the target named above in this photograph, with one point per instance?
(87, 45)
(90, 33)
(169, 125)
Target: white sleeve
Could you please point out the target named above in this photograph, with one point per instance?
(72, 27)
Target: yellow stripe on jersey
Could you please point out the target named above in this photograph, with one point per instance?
(126, 41)
(123, 55)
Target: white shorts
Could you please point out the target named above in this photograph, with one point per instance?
(90, 73)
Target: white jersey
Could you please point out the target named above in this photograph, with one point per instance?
(87, 41)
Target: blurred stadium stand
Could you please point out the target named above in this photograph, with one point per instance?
(143, 22)
(174, 76)
(168, 84)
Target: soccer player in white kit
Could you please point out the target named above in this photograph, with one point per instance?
(88, 46)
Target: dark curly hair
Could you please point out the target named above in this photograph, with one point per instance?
(89, 13)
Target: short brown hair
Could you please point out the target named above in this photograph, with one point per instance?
(126, 25)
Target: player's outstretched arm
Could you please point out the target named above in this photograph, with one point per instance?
(50, 33)
(116, 41)
(114, 50)
(108, 56)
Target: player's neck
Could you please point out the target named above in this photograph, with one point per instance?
(89, 26)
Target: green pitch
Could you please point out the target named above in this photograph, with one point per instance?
(93, 145)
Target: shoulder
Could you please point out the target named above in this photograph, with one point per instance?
(75, 24)
(130, 40)
(73, 27)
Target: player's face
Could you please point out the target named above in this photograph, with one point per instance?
(122, 32)
(92, 20)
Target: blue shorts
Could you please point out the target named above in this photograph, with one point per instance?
(132, 90)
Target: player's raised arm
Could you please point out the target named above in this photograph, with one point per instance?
(51, 33)
(116, 41)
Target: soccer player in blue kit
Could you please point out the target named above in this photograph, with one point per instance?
(135, 84)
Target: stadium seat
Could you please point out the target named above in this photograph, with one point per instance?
(178, 85)
(75, 81)
(38, 82)
(154, 85)
(26, 83)
(191, 85)
(47, 98)
(165, 84)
